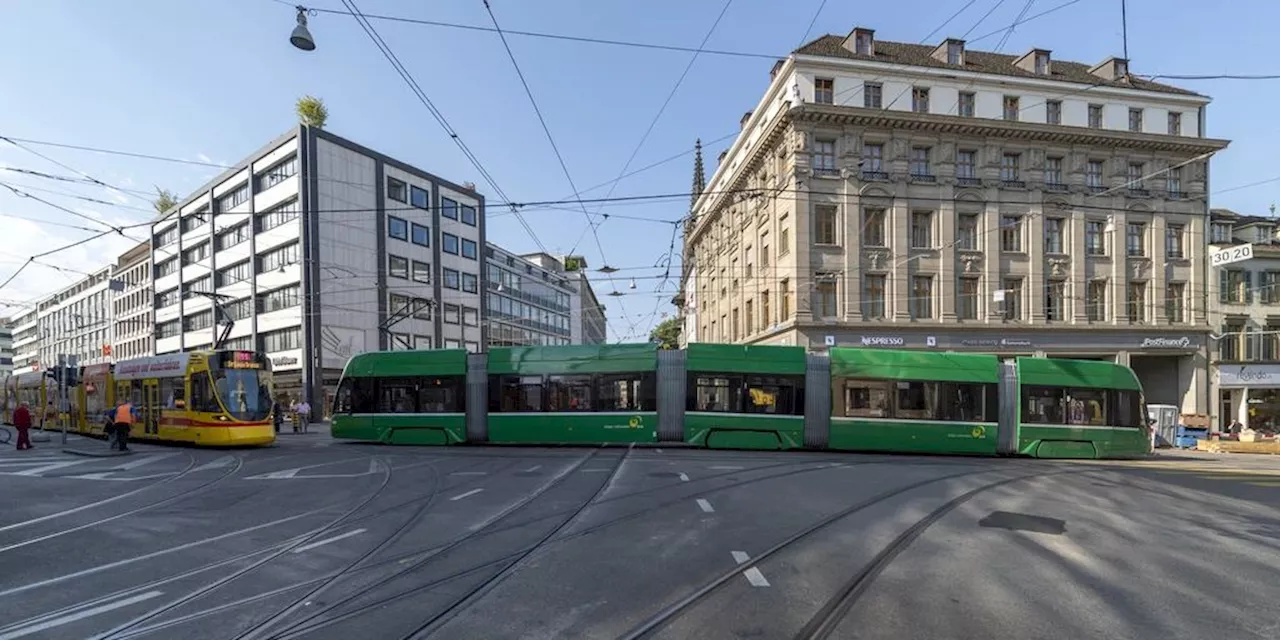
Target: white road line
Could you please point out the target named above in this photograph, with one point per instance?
(469, 493)
(79, 615)
(321, 543)
(48, 467)
(224, 461)
(740, 557)
(755, 577)
(143, 461)
(469, 473)
(532, 469)
(726, 468)
(706, 506)
(684, 477)
(595, 470)
(658, 450)
(108, 475)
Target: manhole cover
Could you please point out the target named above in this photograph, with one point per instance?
(1024, 522)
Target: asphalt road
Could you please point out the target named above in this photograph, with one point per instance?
(315, 539)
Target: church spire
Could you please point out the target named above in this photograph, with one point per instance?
(699, 176)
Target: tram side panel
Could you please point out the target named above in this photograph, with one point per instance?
(745, 396)
(404, 397)
(1079, 409)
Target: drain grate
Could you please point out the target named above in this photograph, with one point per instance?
(1024, 522)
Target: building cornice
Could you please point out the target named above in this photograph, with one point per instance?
(1020, 131)
(763, 147)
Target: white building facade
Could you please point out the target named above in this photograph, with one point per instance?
(319, 248)
(78, 320)
(932, 197)
(132, 305)
(532, 300)
(6, 348)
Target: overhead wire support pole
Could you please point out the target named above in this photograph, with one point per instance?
(220, 314)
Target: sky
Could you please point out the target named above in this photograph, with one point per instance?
(210, 81)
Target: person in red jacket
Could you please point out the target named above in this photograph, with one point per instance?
(22, 420)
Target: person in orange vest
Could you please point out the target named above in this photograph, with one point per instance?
(121, 423)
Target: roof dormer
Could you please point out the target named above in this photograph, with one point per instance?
(1112, 68)
(1035, 61)
(745, 117)
(861, 41)
(951, 51)
(777, 66)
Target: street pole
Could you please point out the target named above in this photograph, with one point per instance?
(62, 394)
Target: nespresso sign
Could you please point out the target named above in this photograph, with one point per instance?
(883, 341)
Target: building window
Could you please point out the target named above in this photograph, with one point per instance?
(1219, 233)
(1053, 235)
(1174, 301)
(278, 259)
(168, 267)
(967, 103)
(235, 198)
(1095, 300)
(278, 215)
(1013, 298)
(824, 90)
(871, 95)
(421, 272)
(862, 44)
(230, 238)
(921, 306)
(451, 279)
(873, 160)
(1173, 236)
(279, 173)
(1135, 119)
(1053, 173)
(470, 283)
(1229, 345)
(765, 319)
(921, 230)
(1011, 234)
(422, 308)
(397, 228)
(824, 157)
(284, 298)
(420, 235)
(824, 296)
(1136, 239)
(1135, 178)
(193, 220)
(920, 99)
(1093, 175)
(1136, 307)
(1095, 238)
(1009, 168)
(239, 272)
(955, 53)
(198, 321)
(966, 167)
(167, 298)
(920, 163)
(398, 267)
(282, 340)
(1042, 64)
(452, 314)
(1055, 300)
(1233, 286)
(449, 208)
(1175, 123)
(784, 296)
(450, 244)
(1011, 108)
(967, 301)
(469, 249)
(418, 197)
(1173, 182)
(1053, 111)
(1269, 291)
(825, 217)
(397, 190)
(470, 316)
(784, 241)
(1095, 116)
(166, 237)
(195, 254)
(967, 232)
(468, 215)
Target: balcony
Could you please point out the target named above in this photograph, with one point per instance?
(1139, 192)
(879, 176)
(968, 181)
(1096, 188)
(1013, 184)
(924, 177)
(1056, 187)
(826, 172)
(1177, 195)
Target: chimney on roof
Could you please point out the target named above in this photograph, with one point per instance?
(861, 41)
(720, 160)
(745, 117)
(1035, 61)
(1112, 68)
(951, 51)
(777, 66)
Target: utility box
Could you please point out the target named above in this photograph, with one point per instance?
(1164, 424)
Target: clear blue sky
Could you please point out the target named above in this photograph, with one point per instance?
(216, 79)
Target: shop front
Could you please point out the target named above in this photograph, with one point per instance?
(1249, 394)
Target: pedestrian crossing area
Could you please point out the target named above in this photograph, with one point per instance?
(56, 464)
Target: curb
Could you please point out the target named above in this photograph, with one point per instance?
(97, 454)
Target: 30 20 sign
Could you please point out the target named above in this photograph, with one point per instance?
(1233, 254)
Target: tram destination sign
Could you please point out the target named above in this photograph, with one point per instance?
(1231, 255)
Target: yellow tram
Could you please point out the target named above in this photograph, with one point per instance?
(212, 398)
(38, 390)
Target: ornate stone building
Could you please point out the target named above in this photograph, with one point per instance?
(919, 197)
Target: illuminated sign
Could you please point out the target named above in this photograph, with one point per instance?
(284, 361)
(238, 364)
(165, 366)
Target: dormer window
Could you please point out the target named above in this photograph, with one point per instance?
(864, 42)
(955, 53)
(1219, 233)
(1122, 68)
(1112, 69)
(1042, 63)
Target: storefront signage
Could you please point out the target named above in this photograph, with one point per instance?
(1249, 376)
(156, 367)
(284, 361)
(995, 342)
(883, 341)
(1166, 343)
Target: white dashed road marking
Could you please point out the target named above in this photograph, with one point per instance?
(532, 469)
(726, 468)
(740, 557)
(752, 574)
(333, 539)
(684, 477)
(469, 493)
(79, 615)
(706, 506)
(469, 473)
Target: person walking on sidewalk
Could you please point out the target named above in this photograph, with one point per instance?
(22, 421)
(304, 414)
(121, 422)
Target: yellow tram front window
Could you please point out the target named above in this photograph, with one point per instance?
(241, 382)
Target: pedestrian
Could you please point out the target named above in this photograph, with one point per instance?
(121, 423)
(22, 420)
(304, 414)
(276, 417)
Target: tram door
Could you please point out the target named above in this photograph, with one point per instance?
(151, 407)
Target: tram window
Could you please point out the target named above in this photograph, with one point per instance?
(440, 395)
(1087, 407)
(397, 395)
(342, 399)
(963, 402)
(171, 393)
(355, 395)
(202, 398)
(515, 394)
(864, 399)
(717, 393)
(914, 399)
(568, 393)
(1128, 409)
(624, 392)
(772, 395)
(1043, 405)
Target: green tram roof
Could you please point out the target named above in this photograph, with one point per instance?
(1052, 372)
(391, 364)
(570, 359)
(888, 364)
(751, 358)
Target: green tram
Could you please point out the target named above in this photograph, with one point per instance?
(745, 397)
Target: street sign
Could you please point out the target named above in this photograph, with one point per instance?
(1231, 255)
